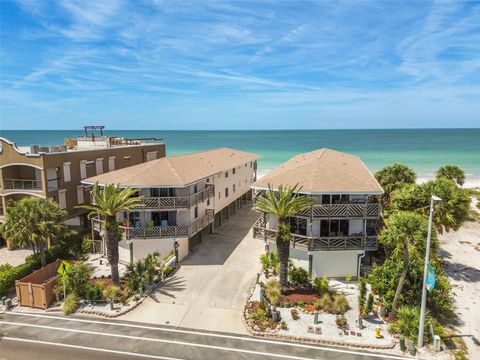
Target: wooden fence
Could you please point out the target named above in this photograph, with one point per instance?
(36, 290)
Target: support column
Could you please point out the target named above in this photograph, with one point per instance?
(310, 264)
(212, 227)
(228, 211)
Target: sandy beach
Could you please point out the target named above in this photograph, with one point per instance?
(461, 252)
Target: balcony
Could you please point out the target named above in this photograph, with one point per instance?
(22, 184)
(186, 202)
(342, 210)
(154, 232)
(308, 243)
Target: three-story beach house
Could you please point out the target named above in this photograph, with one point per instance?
(331, 237)
(182, 196)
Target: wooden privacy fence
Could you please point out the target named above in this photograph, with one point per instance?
(36, 290)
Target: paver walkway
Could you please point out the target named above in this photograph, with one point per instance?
(212, 284)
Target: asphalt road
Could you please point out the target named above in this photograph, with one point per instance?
(38, 336)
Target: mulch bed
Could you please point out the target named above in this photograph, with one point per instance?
(297, 294)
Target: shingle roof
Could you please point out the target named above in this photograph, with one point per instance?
(179, 170)
(323, 171)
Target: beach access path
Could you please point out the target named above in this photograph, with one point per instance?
(210, 288)
(461, 253)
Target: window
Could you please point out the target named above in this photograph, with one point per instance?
(62, 198)
(226, 192)
(208, 180)
(195, 189)
(196, 212)
(233, 188)
(66, 172)
(126, 158)
(208, 202)
(226, 174)
(111, 163)
(80, 193)
(99, 166)
(219, 195)
(233, 171)
(246, 164)
(83, 169)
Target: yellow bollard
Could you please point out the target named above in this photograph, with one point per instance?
(378, 334)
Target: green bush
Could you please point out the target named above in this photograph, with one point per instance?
(112, 293)
(71, 304)
(298, 276)
(340, 304)
(94, 292)
(8, 274)
(77, 278)
(272, 291)
(369, 307)
(326, 303)
(87, 245)
(321, 285)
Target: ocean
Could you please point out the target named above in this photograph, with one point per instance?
(425, 150)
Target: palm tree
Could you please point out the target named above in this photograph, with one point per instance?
(450, 213)
(283, 203)
(393, 178)
(452, 172)
(405, 236)
(107, 202)
(33, 222)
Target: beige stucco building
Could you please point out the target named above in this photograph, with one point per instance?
(331, 237)
(182, 197)
(56, 172)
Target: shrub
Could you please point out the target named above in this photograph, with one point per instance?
(317, 305)
(294, 313)
(362, 287)
(87, 245)
(272, 291)
(112, 293)
(340, 304)
(264, 261)
(369, 307)
(407, 322)
(326, 303)
(71, 304)
(321, 285)
(58, 290)
(9, 273)
(341, 322)
(94, 292)
(77, 278)
(298, 276)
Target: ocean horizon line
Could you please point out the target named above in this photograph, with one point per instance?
(295, 129)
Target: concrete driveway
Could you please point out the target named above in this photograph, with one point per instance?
(213, 282)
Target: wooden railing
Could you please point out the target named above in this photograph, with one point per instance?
(309, 243)
(342, 210)
(22, 184)
(173, 202)
(148, 232)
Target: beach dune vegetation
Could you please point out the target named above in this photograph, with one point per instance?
(393, 178)
(450, 213)
(452, 172)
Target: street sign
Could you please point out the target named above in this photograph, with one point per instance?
(63, 268)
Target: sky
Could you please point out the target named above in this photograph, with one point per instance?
(239, 64)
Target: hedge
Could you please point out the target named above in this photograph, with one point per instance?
(68, 247)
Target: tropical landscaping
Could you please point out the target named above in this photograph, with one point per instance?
(391, 292)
